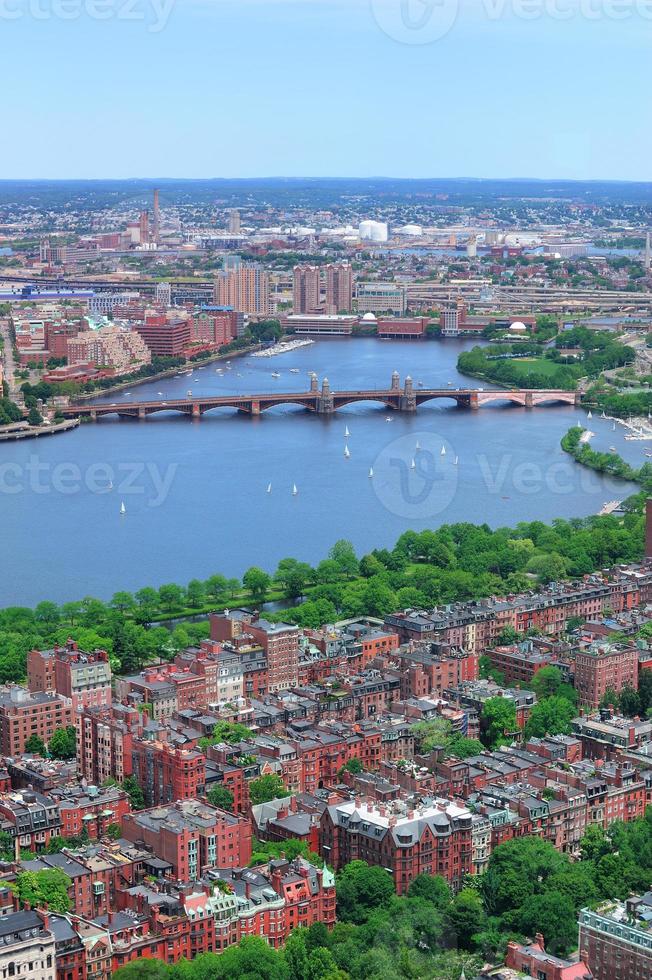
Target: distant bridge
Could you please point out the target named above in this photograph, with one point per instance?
(324, 401)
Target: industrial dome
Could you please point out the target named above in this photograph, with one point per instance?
(415, 230)
(369, 317)
(518, 326)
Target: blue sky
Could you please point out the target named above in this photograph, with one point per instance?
(230, 88)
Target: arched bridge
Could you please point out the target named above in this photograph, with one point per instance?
(324, 401)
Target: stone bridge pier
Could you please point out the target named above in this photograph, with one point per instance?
(325, 401)
(408, 400)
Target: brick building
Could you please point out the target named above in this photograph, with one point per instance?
(432, 839)
(190, 836)
(618, 939)
(84, 678)
(166, 773)
(104, 742)
(23, 714)
(601, 667)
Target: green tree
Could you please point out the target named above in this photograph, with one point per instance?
(123, 602)
(44, 887)
(220, 797)
(550, 681)
(35, 745)
(63, 744)
(629, 702)
(361, 889)
(230, 732)
(465, 917)
(497, 718)
(170, 597)
(134, 792)
(256, 581)
(553, 915)
(266, 788)
(431, 888)
(552, 716)
(343, 554)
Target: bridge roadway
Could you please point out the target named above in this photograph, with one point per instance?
(323, 401)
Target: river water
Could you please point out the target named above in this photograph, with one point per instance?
(195, 491)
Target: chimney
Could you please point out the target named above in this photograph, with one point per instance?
(539, 941)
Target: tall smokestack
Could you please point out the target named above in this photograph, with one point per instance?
(157, 218)
(648, 528)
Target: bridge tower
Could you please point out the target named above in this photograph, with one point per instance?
(396, 381)
(325, 402)
(314, 383)
(408, 400)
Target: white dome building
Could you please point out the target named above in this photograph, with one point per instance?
(411, 231)
(518, 327)
(369, 318)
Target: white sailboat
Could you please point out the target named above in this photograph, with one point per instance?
(346, 433)
(443, 451)
(613, 427)
(418, 446)
(371, 472)
(123, 509)
(294, 490)
(269, 488)
(413, 464)
(457, 459)
(590, 415)
(346, 452)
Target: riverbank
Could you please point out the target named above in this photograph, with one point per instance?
(168, 373)
(25, 431)
(576, 444)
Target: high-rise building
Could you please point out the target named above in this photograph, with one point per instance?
(233, 223)
(306, 291)
(245, 289)
(164, 294)
(339, 288)
(143, 227)
(156, 224)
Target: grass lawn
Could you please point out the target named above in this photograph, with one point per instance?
(538, 365)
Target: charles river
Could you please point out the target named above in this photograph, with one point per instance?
(196, 492)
